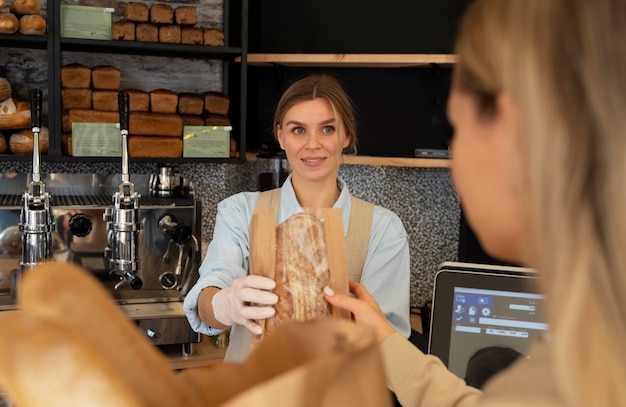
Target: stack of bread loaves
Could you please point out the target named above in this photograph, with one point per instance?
(15, 115)
(160, 22)
(23, 17)
(157, 118)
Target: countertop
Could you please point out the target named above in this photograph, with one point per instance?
(204, 353)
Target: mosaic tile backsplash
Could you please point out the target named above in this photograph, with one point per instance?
(424, 198)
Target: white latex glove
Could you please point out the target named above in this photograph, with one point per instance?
(247, 300)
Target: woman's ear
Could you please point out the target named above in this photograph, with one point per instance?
(279, 135)
(510, 118)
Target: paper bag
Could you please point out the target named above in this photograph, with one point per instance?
(326, 362)
(302, 254)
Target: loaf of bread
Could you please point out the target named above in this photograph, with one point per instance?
(14, 115)
(161, 13)
(9, 23)
(155, 147)
(192, 120)
(186, 15)
(135, 11)
(106, 100)
(146, 32)
(21, 142)
(139, 100)
(32, 24)
(75, 76)
(169, 34)
(25, 7)
(190, 103)
(213, 37)
(123, 30)
(216, 102)
(155, 124)
(106, 77)
(163, 101)
(76, 98)
(191, 35)
(5, 89)
(211, 119)
(99, 320)
(302, 269)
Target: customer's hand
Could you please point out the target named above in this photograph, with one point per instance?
(364, 308)
(246, 301)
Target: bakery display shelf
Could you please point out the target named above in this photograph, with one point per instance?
(23, 41)
(384, 161)
(351, 60)
(146, 48)
(182, 160)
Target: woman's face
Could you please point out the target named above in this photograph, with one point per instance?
(313, 140)
(483, 167)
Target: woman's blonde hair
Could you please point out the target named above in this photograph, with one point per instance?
(563, 62)
(320, 86)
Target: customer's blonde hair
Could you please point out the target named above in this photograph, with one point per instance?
(563, 62)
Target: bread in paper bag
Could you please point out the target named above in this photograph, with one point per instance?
(303, 254)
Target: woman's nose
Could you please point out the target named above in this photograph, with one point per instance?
(313, 141)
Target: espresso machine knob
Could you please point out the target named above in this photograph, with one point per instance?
(80, 225)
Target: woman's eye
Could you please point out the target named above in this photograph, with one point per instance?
(328, 129)
(298, 130)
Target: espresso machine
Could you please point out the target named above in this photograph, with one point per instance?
(139, 238)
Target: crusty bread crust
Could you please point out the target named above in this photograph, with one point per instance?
(302, 269)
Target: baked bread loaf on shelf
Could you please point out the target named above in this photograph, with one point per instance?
(9, 24)
(190, 103)
(155, 147)
(216, 103)
(5, 89)
(146, 32)
(139, 100)
(75, 76)
(76, 98)
(163, 101)
(32, 24)
(21, 142)
(123, 30)
(106, 100)
(169, 34)
(106, 77)
(213, 37)
(186, 15)
(14, 114)
(135, 11)
(191, 35)
(161, 13)
(25, 7)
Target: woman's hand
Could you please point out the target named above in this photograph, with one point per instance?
(246, 301)
(364, 309)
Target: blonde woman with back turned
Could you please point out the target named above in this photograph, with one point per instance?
(539, 161)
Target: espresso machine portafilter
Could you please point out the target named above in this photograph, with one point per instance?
(36, 220)
(123, 222)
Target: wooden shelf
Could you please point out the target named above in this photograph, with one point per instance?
(385, 161)
(351, 60)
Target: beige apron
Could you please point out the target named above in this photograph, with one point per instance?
(357, 239)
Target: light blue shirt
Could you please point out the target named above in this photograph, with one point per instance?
(386, 272)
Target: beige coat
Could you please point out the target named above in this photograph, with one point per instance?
(423, 380)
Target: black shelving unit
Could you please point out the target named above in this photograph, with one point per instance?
(235, 29)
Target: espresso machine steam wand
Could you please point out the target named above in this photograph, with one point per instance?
(123, 225)
(36, 221)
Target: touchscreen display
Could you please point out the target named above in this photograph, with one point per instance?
(484, 318)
